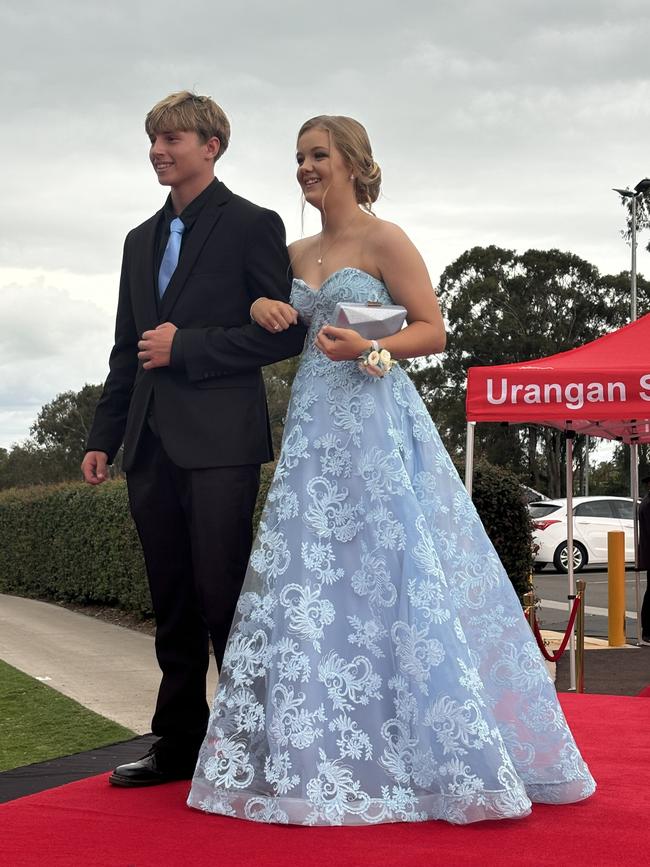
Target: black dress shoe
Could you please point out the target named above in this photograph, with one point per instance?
(152, 770)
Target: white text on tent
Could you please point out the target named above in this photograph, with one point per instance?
(573, 395)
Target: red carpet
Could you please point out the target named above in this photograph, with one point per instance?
(89, 823)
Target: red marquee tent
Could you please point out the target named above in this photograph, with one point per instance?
(601, 388)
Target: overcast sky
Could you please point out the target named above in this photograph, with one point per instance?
(504, 122)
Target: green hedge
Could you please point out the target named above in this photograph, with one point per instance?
(75, 543)
(72, 543)
(499, 500)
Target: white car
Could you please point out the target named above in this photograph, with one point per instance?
(593, 518)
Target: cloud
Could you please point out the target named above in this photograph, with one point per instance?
(505, 122)
(50, 342)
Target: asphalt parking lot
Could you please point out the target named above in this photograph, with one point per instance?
(552, 589)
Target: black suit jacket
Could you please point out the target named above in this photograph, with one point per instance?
(209, 404)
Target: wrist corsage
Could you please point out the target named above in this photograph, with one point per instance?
(376, 361)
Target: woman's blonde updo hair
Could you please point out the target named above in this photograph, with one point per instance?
(351, 139)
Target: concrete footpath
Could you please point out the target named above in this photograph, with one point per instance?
(113, 671)
(107, 668)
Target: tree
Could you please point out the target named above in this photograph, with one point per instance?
(642, 214)
(59, 434)
(65, 422)
(504, 307)
(62, 426)
(613, 477)
(27, 464)
(55, 449)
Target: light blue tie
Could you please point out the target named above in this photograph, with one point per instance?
(171, 254)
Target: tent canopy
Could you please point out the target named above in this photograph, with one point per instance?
(601, 388)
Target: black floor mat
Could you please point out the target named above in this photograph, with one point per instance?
(610, 671)
(56, 772)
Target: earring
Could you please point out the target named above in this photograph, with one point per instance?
(351, 177)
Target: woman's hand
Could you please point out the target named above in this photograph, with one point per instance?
(273, 315)
(341, 344)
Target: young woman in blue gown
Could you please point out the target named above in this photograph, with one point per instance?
(379, 668)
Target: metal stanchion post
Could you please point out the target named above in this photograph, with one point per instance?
(580, 652)
(569, 434)
(469, 456)
(529, 608)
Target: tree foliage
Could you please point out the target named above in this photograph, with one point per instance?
(505, 307)
(498, 498)
(613, 477)
(64, 423)
(501, 307)
(56, 447)
(642, 215)
(27, 464)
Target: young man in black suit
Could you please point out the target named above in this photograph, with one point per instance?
(185, 394)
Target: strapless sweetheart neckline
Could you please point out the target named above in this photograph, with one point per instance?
(334, 274)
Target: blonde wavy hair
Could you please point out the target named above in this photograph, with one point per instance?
(187, 112)
(351, 139)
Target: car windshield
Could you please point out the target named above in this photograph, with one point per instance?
(540, 510)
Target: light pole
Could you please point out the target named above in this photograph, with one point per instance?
(641, 188)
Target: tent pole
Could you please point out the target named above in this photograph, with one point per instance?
(469, 456)
(569, 532)
(634, 493)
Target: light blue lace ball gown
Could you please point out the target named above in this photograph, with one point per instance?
(379, 668)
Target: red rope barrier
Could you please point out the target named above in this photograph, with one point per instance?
(554, 657)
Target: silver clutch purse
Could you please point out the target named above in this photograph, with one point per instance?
(372, 319)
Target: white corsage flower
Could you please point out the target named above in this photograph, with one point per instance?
(376, 362)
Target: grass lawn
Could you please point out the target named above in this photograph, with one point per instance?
(37, 723)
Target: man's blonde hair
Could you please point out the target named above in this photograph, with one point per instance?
(187, 112)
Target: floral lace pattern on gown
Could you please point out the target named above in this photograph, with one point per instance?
(379, 668)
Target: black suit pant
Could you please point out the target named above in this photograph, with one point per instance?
(195, 527)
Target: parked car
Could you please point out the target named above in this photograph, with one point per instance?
(593, 518)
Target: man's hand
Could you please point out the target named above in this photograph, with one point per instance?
(94, 467)
(156, 346)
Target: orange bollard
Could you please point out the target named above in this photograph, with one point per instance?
(616, 588)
